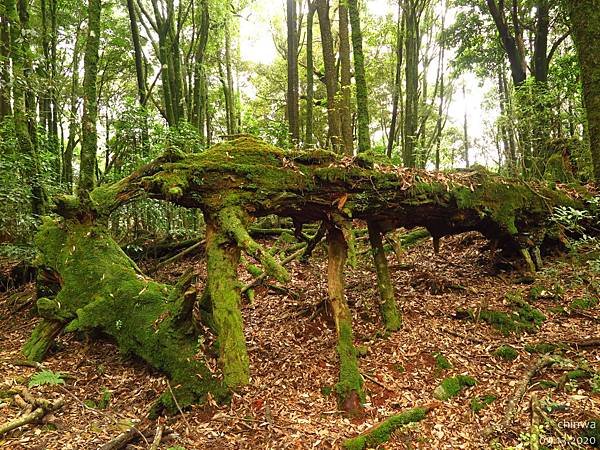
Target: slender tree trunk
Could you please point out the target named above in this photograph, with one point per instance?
(466, 129)
(585, 20)
(140, 72)
(5, 91)
(308, 140)
(293, 112)
(411, 109)
(67, 169)
(349, 387)
(333, 113)
(397, 81)
(89, 137)
(198, 117)
(364, 135)
(345, 81)
(22, 100)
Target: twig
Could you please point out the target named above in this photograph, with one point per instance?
(157, 437)
(177, 405)
(33, 416)
(264, 275)
(522, 386)
(374, 380)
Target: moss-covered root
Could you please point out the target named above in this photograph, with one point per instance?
(223, 257)
(41, 339)
(102, 290)
(349, 387)
(387, 305)
(233, 221)
(382, 432)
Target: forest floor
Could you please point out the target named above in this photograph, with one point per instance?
(291, 344)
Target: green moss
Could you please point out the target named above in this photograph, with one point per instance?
(524, 317)
(224, 291)
(592, 431)
(578, 374)
(382, 432)
(326, 391)
(441, 362)
(584, 303)
(451, 387)
(102, 288)
(350, 378)
(506, 352)
(541, 348)
(547, 384)
(479, 403)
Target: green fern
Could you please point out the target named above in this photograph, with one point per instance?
(46, 377)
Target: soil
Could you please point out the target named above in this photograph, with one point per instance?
(289, 402)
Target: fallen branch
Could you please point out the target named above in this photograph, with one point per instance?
(522, 386)
(259, 279)
(44, 407)
(179, 255)
(381, 433)
(157, 438)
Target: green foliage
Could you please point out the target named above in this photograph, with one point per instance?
(541, 348)
(46, 377)
(479, 403)
(451, 387)
(584, 303)
(441, 361)
(506, 352)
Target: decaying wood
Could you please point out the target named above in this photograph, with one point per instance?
(233, 183)
(35, 409)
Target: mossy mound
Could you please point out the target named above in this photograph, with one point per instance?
(441, 362)
(480, 403)
(522, 318)
(541, 348)
(452, 386)
(506, 352)
(584, 303)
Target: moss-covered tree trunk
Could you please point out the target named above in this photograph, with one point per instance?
(585, 19)
(223, 258)
(89, 137)
(392, 318)
(101, 288)
(349, 386)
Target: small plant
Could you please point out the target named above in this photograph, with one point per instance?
(441, 362)
(584, 303)
(541, 348)
(46, 377)
(479, 403)
(451, 387)
(506, 352)
(104, 399)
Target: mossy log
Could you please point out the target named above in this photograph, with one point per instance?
(381, 433)
(232, 183)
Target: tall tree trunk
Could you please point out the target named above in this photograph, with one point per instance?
(333, 113)
(140, 72)
(364, 135)
(198, 116)
(411, 110)
(5, 91)
(89, 137)
(585, 19)
(293, 112)
(466, 129)
(345, 81)
(310, 94)
(397, 81)
(67, 169)
(21, 94)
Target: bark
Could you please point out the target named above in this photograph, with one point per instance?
(25, 133)
(387, 305)
(411, 112)
(349, 386)
(333, 113)
(345, 82)
(5, 91)
(585, 19)
(397, 81)
(308, 140)
(293, 113)
(67, 170)
(89, 137)
(364, 135)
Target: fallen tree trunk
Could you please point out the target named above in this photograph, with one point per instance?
(232, 183)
